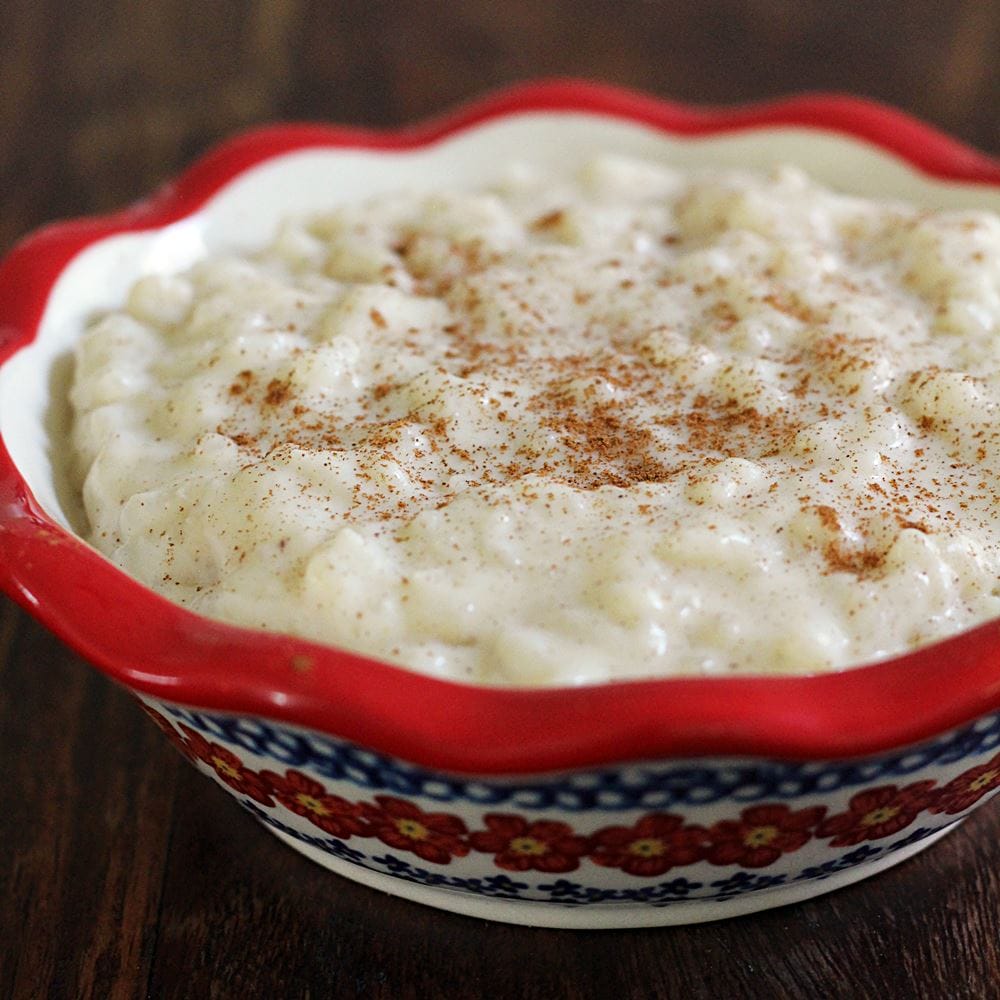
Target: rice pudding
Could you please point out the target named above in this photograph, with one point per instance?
(619, 423)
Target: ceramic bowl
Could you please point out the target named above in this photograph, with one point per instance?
(625, 804)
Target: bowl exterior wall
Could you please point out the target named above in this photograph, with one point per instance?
(635, 836)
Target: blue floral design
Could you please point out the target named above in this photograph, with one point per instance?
(828, 868)
(497, 886)
(331, 845)
(919, 834)
(744, 882)
(867, 852)
(572, 893)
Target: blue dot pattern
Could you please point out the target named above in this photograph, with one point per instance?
(652, 786)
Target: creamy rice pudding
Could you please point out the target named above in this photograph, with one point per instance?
(630, 422)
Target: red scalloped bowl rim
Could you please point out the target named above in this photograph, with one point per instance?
(164, 651)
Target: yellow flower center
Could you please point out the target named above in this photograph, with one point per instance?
(412, 829)
(761, 836)
(880, 815)
(648, 847)
(983, 780)
(225, 768)
(528, 845)
(313, 804)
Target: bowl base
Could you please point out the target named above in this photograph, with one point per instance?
(598, 916)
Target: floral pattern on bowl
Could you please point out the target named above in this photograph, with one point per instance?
(727, 831)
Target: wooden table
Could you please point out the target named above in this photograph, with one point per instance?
(125, 874)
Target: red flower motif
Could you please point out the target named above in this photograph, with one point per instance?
(167, 728)
(545, 845)
(968, 788)
(227, 766)
(657, 843)
(435, 837)
(761, 835)
(876, 813)
(308, 798)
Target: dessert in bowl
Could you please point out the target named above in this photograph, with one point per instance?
(605, 803)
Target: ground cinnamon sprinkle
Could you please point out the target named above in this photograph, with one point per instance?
(828, 518)
(279, 391)
(844, 559)
(243, 381)
(548, 221)
(608, 450)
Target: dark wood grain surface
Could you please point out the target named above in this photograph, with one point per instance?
(125, 874)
